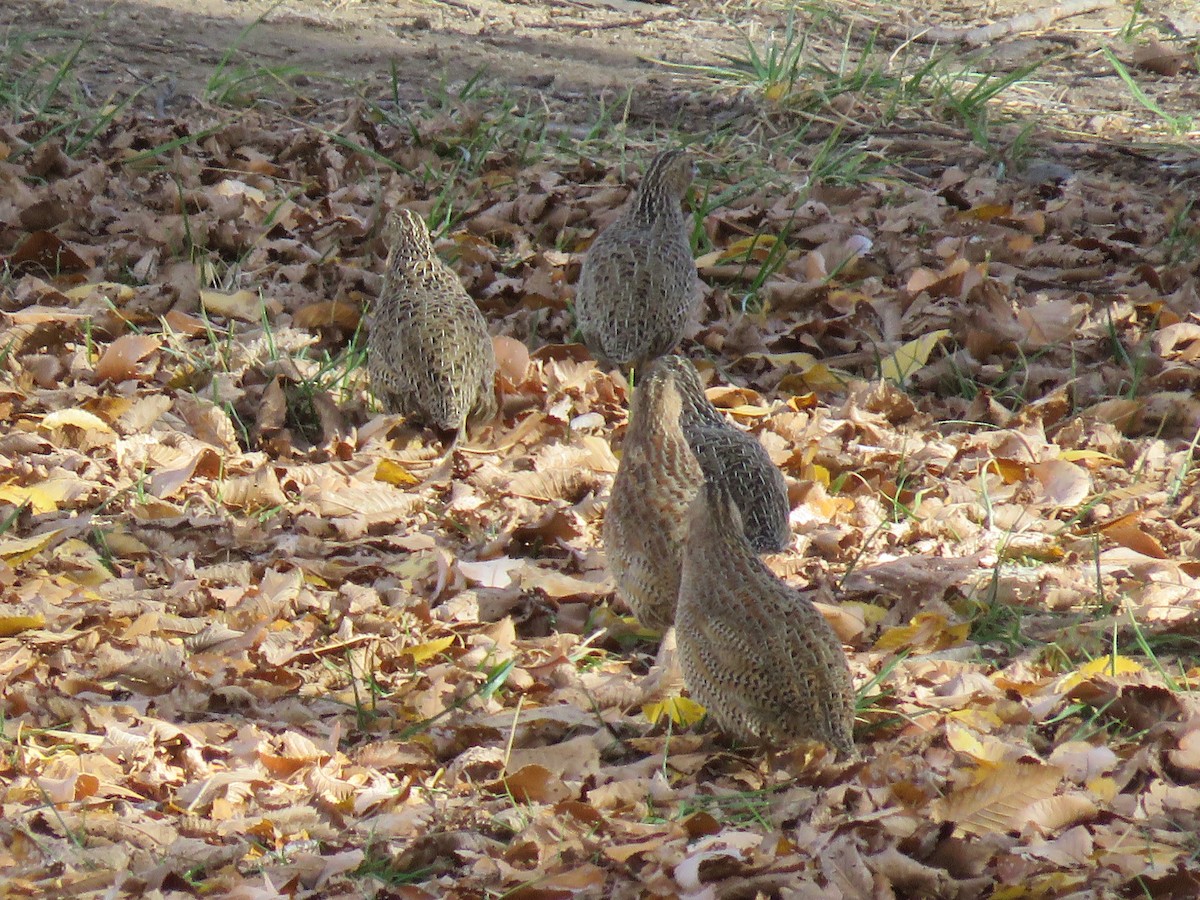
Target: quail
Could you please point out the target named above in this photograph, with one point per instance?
(756, 653)
(637, 287)
(430, 355)
(676, 438)
(736, 459)
(646, 521)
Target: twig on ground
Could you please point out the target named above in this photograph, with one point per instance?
(1030, 21)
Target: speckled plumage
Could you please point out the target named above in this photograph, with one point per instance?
(430, 355)
(646, 521)
(754, 652)
(736, 459)
(637, 287)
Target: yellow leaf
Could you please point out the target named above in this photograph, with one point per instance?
(117, 293)
(1000, 800)
(78, 418)
(926, 632)
(10, 625)
(755, 248)
(1010, 470)
(979, 719)
(985, 212)
(911, 357)
(1089, 455)
(43, 497)
(776, 91)
(801, 402)
(963, 741)
(819, 377)
(17, 550)
(680, 710)
(748, 411)
(243, 305)
(391, 472)
(1104, 665)
(121, 543)
(1110, 665)
(422, 652)
(871, 613)
(1049, 884)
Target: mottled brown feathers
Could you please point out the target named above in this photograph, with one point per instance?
(734, 458)
(758, 655)
(646, 521)
(430, 355)
(637, 287)
(676, 439)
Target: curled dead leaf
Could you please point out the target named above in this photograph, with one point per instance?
(512, 360)
(244, 305)
(254, 492)
(122, 356)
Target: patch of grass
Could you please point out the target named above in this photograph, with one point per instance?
(12, 517)
(464, 129)
(379, 865)
(240, 84)
(1008, 386)
(1142, 642)
(965, 95)
(98, 538)
(869, 698)
(1182, 243)
(1185, 469)
(1136, 24)
(42, 87)
(800, 78)
(1178, 125)
(737, 808)
(1135, 359)
(366, 682)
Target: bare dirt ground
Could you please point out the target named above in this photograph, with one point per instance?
(258, 640)
(574, 54)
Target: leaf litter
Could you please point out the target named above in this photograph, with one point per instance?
(257, 639)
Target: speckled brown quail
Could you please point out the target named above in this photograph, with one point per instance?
(758, 655)
(429, 353)
(731, 456)
(646, 521)
(637, 287)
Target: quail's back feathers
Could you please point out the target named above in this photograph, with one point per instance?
(757, 654)
(646, 521)
(637, 287)
(732, 457)
(430, 355)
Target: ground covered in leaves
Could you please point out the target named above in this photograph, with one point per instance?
(259, 640)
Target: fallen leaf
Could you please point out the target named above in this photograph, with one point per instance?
(911, 357)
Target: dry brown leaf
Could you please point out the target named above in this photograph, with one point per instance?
(122, 356)
(1000, 800)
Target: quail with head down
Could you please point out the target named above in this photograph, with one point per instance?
(732, 457)
(430, 357)
(638, 285)
(756, 653)
(675, 439)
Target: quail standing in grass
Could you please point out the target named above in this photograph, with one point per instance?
(732, 457)
(637, 287)
(758, 655)
(430, 356)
